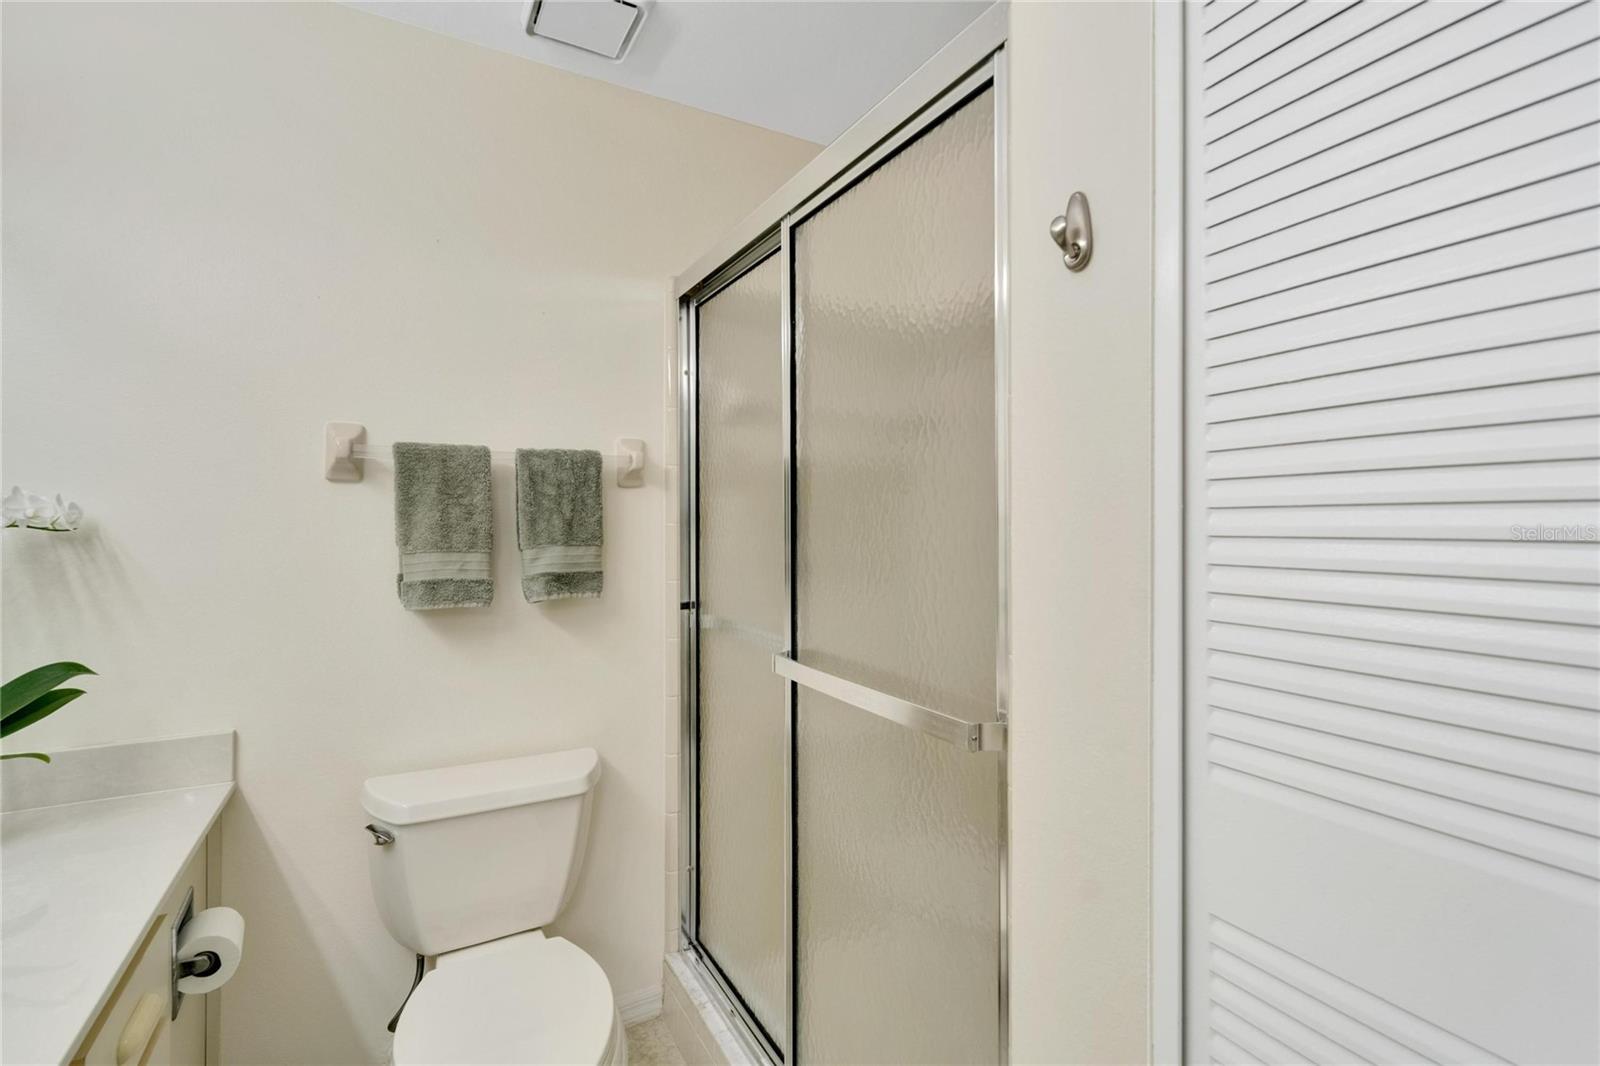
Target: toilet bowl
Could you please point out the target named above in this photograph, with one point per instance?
(468, 864)
(524, 999)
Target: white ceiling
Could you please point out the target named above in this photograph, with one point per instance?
(808, 68)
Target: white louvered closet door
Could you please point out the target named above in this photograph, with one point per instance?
(1393, 378)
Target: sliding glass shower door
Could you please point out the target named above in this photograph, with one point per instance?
(743, 737)
(845, 634)
(896, 550)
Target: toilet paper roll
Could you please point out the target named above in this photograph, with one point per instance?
(215, 929)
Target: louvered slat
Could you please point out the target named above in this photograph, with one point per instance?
(1328, 61)
(1550, 845)
(1538, 642)
(1369, 204)
(1471, 406)
(1574, 480)
(1214, 13)
(1577, 771)
(1363, 1042)
(1299, 254)
(1569, 357)
(1490, 522)
(1535, 801)
(1577, 438)
(1544, 241)
(1308, 60)
(1257, 1045)
(1572, 605)
(1423, 1042)
(1528, 325)
(1429, 303)
(1566, 563)
(1227, 38)
(1269, 206)
(1569, 686)
(1307, 1044)
(1540, 54)
(1550, 725)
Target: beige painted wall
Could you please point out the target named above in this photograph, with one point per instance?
(1081, 536)
(225, 224)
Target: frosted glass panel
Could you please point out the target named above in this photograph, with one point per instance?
(898, 934)
(742, 732)
(896, 577)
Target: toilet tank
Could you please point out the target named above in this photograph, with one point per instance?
(479, 851)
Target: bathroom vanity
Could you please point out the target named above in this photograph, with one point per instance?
(101, 853)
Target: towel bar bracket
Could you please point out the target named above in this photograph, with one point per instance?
(339, 443)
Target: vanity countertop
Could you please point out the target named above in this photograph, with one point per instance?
(79, 885)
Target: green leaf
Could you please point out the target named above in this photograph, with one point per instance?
(41, 756)
(19, 692)
(43, 707)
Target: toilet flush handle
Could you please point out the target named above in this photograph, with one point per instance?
(380, 837)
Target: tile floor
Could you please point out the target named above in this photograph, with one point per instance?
(650, 1044)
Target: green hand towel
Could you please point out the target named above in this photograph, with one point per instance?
(559, 523)
(443, 525)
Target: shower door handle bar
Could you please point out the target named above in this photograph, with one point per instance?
(973, 736)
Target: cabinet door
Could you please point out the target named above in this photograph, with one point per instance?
(136, 1027)
(134, 1022)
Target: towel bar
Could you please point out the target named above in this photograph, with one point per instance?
(345, 448)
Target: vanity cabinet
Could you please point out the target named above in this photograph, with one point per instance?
(136, 1027)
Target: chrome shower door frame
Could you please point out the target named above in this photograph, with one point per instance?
(691, 621)
(972, 62)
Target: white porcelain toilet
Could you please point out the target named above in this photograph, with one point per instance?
(471, 862)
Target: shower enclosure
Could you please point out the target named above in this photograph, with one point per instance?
(844, 642)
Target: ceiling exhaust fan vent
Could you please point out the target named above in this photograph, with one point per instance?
(604, 27)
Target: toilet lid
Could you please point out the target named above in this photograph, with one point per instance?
(525, 999)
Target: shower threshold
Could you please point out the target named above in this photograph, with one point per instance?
(703, 1023)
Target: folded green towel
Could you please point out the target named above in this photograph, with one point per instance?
(559, 523)
(443, 525)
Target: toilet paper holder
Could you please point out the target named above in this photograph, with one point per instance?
(204, 964)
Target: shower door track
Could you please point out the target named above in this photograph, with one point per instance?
(973, 61)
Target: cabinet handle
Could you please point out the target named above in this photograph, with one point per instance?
(140, 1028)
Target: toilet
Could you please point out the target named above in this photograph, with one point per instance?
(469, 864)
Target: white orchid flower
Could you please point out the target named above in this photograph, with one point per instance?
(41, 512)
(29, 510)
(69, 515)
(14, 508)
